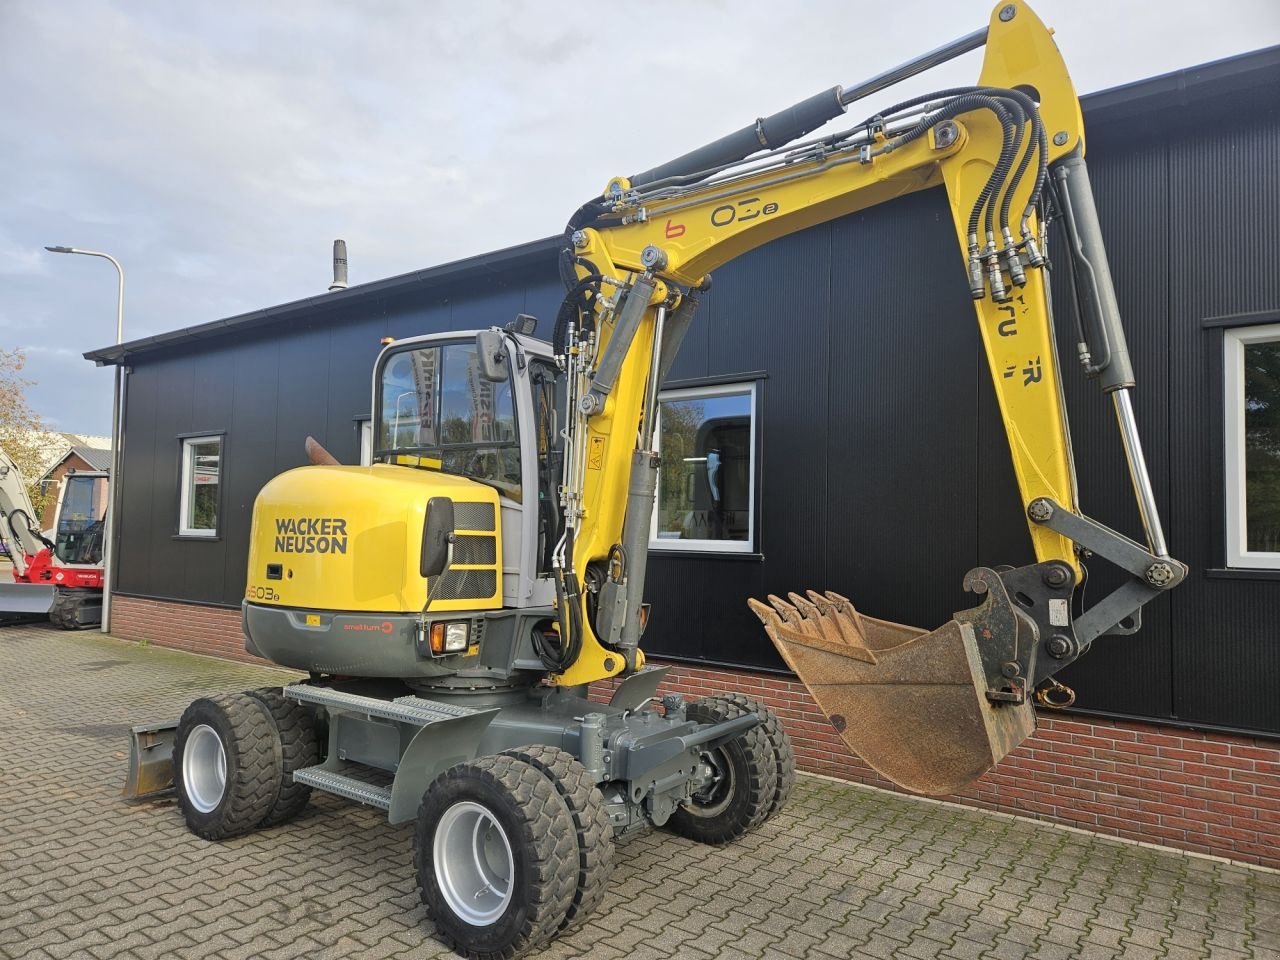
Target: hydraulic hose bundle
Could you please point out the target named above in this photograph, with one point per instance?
(1014, 109)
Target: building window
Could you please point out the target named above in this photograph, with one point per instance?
(1251, 377)
(706, 485)
(201, 483)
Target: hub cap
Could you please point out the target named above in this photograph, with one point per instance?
(204, 768)
(473, 863)
(716, 791)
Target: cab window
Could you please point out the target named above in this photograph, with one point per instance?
(436, 410)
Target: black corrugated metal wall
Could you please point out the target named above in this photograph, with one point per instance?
(883, 468)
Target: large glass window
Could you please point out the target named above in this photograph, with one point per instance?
(436, 410)
(706, 485)
(82, 519)
(1252, 433)
(201, 486)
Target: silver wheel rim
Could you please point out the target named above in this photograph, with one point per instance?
(473, 863)
(204, 768)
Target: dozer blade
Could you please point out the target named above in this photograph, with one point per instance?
(150, 760)
(912, 705)
(24, 602)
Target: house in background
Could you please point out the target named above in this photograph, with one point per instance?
(79, 458)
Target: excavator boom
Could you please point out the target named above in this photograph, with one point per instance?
(929, 710)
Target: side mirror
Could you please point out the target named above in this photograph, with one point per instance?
(437, 537)
(492, 354)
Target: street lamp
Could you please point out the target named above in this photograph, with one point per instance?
(109, 561)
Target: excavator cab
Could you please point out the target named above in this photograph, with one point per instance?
(79, 530)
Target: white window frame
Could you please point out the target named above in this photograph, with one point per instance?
(188, 483)
(365, 426)
(710, 546)
(1234, 342)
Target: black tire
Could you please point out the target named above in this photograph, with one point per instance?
(784, 756)
(590, 820)
(297, 730)
(218, 807)
(746, 781)
(536, 848)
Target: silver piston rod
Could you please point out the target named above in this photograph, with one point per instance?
(1100, 318)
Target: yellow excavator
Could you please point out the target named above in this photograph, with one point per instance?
(453, 601)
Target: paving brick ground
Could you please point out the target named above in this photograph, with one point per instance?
(842, 872)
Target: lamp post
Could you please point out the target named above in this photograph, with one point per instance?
(109, 561)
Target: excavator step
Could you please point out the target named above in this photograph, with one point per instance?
(345, 786)
(410, 709)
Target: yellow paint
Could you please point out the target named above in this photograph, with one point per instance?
(702, 231)
(383, 508)
(1017, 336)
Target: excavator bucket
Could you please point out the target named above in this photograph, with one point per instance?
(913, 705)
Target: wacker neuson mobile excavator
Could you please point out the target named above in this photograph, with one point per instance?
(453, 601)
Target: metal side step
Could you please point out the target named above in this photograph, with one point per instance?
(344, 786)
(406, 709)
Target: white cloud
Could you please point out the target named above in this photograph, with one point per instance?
(217, 150)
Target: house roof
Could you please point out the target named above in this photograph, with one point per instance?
(96, 458)
(1248, 81)
(54, 447)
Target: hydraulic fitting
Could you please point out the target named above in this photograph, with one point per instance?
(1013, 261)
(994, 277)
(977, 287)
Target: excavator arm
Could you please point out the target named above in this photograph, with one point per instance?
(930, 711)
(19, 521)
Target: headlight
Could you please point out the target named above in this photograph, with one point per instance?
(450, 637)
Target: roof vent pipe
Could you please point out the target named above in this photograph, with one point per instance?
(339, 266)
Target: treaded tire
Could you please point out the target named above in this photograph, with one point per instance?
(299, 747)
(784, 756)
(742, 800)
(590, 820)
(536, 824)
(243, 728)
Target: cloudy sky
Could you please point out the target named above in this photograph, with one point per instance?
(218, 149)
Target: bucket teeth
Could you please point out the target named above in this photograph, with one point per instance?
(819, 620)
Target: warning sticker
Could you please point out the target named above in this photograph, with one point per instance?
(595, 453)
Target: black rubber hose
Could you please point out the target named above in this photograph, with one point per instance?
(571, 309)
(952, 108)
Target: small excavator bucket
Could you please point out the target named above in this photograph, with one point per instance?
(913, 705)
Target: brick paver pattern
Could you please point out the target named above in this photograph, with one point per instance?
(841, 872)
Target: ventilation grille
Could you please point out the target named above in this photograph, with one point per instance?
(473, 516)
(468, 550)
(465, 585)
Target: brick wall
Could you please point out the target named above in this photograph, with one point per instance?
(1210, 793)
(212, 631)
(1207, 792)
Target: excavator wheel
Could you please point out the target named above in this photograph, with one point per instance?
(496, 855)
(224, 765)
(297, 730)
(784, 756)
(590, 821)
(743, 785)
